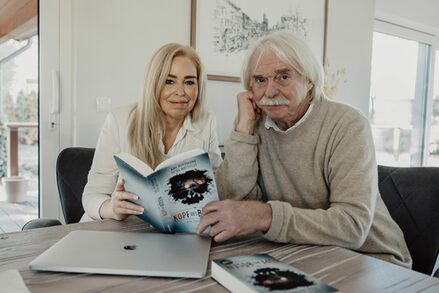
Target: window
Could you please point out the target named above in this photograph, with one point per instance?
(433, 149)
(400, 94)
(19, 113)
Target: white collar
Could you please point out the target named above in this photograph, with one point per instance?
(269, 123)
(185, 127)
(187, 124)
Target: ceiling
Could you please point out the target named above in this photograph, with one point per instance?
(18, 19)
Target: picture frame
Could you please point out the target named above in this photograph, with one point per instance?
(221, 30)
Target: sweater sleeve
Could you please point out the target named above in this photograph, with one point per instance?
(237, 176)
(214, 151)
(103, 173)
(351, 173)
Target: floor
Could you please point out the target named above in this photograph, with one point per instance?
(14, 215)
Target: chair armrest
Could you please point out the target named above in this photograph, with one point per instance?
(40, 223)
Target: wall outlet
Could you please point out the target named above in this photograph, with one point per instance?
(103, 104)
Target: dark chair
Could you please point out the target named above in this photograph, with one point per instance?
(72, 168)
(412, 198)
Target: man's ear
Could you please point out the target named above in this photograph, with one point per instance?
(309, 86)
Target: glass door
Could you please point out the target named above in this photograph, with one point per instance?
(19, 137)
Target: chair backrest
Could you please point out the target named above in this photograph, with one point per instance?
(412, 198)
(72, 168)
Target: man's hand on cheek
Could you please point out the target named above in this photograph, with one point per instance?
(247, 112)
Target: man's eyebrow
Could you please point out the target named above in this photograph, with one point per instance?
(257, 76)
(283, 70)
(277, 71)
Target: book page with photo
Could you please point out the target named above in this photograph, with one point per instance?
(263, 273)
(174, 194)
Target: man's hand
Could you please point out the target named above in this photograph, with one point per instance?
(230, 218)
(248, 113)
(118, 207)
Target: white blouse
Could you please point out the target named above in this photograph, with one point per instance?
(113, 139)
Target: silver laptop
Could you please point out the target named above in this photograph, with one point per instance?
(127, 253)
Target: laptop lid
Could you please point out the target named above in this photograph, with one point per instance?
(127, 253)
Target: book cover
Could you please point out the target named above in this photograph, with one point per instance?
(173, 194)
(263, 273)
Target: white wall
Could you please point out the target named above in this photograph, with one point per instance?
(424, 12)
(349, 47)
(112, 40)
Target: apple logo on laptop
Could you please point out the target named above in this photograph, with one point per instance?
(130, 247)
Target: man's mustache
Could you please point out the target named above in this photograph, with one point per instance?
(273, 101)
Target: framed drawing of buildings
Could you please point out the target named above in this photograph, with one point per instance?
(222, 30)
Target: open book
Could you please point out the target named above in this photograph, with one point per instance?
(173, 194)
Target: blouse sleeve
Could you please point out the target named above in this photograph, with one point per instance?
(102, 177)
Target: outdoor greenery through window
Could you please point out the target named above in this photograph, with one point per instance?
(19, 104)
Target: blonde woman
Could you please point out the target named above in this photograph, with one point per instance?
(168, 119)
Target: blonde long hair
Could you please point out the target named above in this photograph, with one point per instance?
(147, 124)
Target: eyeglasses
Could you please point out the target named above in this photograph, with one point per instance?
(281, 78)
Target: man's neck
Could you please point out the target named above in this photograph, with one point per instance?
(284, 125)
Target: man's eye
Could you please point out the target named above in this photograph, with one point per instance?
(169, 81)
(260, 79)
(283, 77)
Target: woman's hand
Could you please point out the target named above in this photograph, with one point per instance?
(118, 207)
(248, 113)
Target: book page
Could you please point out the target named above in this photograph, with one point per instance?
(135, 163)
(179, 157)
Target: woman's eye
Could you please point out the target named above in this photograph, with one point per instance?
(190, 82)
(169, 81)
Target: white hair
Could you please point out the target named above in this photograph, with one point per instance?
(292, 51)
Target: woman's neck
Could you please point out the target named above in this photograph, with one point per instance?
(172, 126)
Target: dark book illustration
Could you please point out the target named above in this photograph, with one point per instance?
(263, 273)
(173, 194)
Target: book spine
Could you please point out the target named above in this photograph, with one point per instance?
(165, 215)
(228, 280)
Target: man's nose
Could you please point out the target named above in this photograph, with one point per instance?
(271, 91)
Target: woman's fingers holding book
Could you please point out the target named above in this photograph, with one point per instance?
(121, 205)
(122, 195)
(130, 208)
(120, 185)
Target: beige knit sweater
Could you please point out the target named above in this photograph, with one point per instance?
(320, 180)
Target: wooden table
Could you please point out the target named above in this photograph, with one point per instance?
(344, 269)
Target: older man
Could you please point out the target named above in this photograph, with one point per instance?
(304, 165)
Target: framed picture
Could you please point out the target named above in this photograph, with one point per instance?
(221, 30)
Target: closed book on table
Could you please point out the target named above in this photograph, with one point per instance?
(263, 273)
